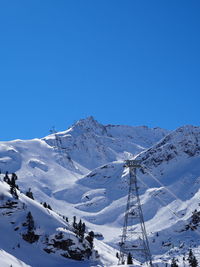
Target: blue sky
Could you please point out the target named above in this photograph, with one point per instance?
(130, 62)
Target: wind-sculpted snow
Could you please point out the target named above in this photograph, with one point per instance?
(171, 180)
(48, 239)
(87, 178)
(141, 135)
(10, 158)
(35, 163)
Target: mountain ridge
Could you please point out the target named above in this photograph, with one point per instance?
(80, 172)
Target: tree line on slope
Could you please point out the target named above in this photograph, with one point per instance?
(30, 235)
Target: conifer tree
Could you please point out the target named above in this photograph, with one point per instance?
(129, 259)
(13, 191)
(192, 259)
(79, 226)
(49, 207)
(30, 222)
(82, 232)
(90, 238)
(30, 236)
(12, 183)
(74, 222)
(174, 263)
(6, 178)
(29, 194)
(13, 180)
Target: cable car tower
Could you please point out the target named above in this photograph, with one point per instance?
(134, 240)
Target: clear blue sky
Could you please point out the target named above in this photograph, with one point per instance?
(130, 62)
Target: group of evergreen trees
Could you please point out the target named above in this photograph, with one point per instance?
(192, 261)
(46, 206)
(79, 228)
(12, 182)
(14, 187)
(30, 195)
(29, 235)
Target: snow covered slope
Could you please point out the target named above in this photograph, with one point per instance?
(169, 188)
(80, 172)
(41, 237)
(7, 260)
(92, 144)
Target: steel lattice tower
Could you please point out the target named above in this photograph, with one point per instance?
(134, 237)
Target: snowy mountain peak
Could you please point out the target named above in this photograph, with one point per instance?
(79, 172)
(87, 121)
(92, 144)
(88, 124)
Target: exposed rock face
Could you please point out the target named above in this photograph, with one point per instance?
(84, 176)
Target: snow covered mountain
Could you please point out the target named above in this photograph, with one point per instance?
(92, 144)
(80, 172)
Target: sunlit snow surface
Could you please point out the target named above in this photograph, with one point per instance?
(7, 260)
(88, 180)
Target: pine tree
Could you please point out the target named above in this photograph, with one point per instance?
(13, 180)
(13, 191)
(129, 259)
(30, 236)
(174, 264)
(6, 178)
(192, 259)
(30, 222)
(29, 194)
(12, 184)
(83, 228)
(49, 207)
(74, 222)
(79, 226)
(90, 238)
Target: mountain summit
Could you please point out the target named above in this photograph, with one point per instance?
(79, 173)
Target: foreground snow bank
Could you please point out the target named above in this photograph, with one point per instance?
(7, 260)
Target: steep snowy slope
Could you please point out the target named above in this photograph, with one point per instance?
(7, 260)
(51, 172)
(169, 188)
(27, 228)
(80, 172)
(92, 144)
